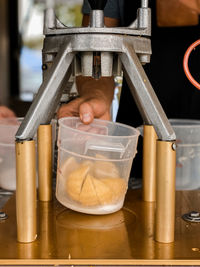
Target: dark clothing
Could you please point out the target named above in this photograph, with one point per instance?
(176, 94)
(178, 97)
(113, 9)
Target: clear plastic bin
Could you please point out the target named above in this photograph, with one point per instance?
(8, 129)
(94, 163)
(187, 154)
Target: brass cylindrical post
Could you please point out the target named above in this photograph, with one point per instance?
(26, 191)
(149, 164)
(45, 162)
(165, 191)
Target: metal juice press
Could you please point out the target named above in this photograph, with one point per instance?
(68, 52)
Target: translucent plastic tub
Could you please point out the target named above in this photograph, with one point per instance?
(8, 129)
(187, 154)
(94, 163)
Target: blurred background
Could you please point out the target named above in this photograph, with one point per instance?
(21, 39)
(31, 31)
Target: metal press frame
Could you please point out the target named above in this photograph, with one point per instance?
(68, 52)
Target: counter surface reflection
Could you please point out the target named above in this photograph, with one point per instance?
(125, 237)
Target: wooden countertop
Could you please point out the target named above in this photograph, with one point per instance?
(123, 238)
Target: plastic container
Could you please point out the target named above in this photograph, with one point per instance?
(187, 154)
(94, 163)
(8, 129)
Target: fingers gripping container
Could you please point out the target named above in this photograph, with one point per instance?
(94, 163)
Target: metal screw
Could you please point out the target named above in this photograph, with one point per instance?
(193, 216)
(44, 66)
(3, 215)
(174, 146)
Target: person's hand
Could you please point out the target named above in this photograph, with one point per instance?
(94, 102)
(6, 112)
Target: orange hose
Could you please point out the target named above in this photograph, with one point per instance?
(185, 64)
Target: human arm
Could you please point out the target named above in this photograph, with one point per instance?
(6, 112)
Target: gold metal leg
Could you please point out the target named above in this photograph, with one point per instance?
(45, 162)
(149, 164)
(26, 191)
(165, 191)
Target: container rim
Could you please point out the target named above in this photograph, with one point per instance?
(19, 119)
(96, 159)
(7, 144)
(137, 133)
